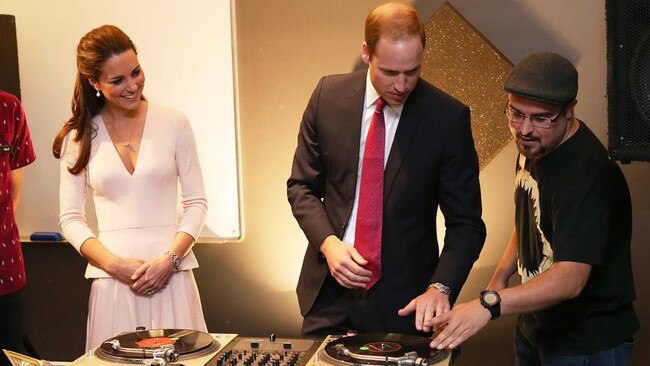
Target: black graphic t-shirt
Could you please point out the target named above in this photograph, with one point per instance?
(574, 205)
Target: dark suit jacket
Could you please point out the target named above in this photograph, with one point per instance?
(432, 163)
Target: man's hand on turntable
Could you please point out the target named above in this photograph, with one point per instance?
(431, 303)
(152, 275)
(345, 263)
(459, 324)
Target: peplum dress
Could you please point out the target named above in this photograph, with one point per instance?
(138, 216)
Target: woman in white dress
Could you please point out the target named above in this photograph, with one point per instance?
(130, 155)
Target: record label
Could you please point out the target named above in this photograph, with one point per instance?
(155, 342)
(381, 347)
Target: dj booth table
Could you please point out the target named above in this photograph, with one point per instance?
(231, 350)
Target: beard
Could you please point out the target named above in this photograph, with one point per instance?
(530, 148)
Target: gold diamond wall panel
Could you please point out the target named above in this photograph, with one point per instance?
(461, 61)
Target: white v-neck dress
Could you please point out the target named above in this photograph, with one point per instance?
(137, 217)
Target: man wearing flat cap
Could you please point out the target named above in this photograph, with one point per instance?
(571, 242)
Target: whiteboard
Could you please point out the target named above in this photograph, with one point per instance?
(186, 52)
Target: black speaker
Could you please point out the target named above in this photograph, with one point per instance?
(9, 77)
(628, 79)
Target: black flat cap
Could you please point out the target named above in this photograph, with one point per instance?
(544, 76)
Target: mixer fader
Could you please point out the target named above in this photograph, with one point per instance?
(249, 351)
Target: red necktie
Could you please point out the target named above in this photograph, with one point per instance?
(370, 210)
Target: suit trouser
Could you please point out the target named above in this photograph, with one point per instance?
(338, 310)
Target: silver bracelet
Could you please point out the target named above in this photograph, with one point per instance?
(444, 289)
(176, 260)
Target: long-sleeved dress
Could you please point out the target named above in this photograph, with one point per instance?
(137, 217)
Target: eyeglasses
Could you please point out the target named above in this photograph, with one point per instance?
(541, 121)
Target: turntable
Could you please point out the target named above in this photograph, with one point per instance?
(158, 347)
(390, 349)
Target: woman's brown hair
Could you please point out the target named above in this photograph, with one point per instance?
(94, 48)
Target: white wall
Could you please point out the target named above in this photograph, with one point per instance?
(186, 53)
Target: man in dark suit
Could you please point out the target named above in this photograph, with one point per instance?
(429, 161)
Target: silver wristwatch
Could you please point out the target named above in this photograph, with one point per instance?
(176, 260)
(444, 289)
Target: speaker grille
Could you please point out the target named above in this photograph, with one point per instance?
(628, 79)
(9, 77)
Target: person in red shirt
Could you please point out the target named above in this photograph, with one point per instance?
(16, 151)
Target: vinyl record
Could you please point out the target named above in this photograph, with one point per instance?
(177, 344)
(382, 349)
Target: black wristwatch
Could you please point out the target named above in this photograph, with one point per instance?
(492, 301)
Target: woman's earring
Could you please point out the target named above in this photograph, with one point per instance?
(98, 94)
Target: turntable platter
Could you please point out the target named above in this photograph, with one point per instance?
(188, 357)
(381, 349)
(171, 344)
